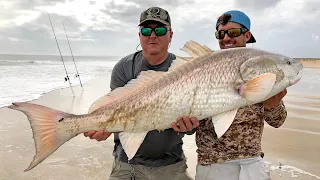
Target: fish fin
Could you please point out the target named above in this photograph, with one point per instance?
(223, 121)
(179, 61)
(45, 127)
(258, 87)
(183, 58)
(144, 78)
(202, 50)
(131, 142)
(195, 50)
(209, 51)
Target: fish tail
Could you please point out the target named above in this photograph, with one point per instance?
(45, 127)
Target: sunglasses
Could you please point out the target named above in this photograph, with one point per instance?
(159, 31)
(233, 32)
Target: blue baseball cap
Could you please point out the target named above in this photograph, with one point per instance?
(240, 18)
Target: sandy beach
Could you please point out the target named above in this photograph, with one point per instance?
(293, 150)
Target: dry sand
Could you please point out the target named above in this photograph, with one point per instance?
(310, 62)
(294, 145)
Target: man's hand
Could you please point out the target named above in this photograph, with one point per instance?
(274, 101)
(185, 124)
(100, 135)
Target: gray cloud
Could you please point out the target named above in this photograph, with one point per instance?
(127, 14)
(37, 36)
(291, 39)
(161, 3)
(131, 13)
(42, 24)
(92, 2)
(202, 32)
(312, 7)
(32, 4)
(28, 40)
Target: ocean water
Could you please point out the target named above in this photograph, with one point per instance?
(27, 77)
(309, 84)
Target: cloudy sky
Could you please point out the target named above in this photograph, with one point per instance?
(109, 27)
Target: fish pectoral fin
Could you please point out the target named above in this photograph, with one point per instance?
(131, 142)
(223, 121)
(258, 88)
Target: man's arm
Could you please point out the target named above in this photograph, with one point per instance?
(276, 117)
(274, 110)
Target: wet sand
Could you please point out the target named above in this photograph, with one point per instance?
(295, 145)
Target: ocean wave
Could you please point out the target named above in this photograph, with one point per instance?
(23, 62)
(295, 172)
(54, 62)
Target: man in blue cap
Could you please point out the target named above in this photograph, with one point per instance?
(233, 30)
(237, 155)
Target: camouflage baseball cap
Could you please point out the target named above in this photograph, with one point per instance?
(155, 14)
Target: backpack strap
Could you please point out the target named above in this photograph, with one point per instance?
(133, 60)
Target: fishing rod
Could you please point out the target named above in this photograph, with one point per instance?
(77, 75)
(67, 78)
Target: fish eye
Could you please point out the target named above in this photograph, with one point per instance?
(288, 62)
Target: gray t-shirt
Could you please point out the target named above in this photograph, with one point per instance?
(158, 148)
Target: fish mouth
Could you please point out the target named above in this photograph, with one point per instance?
(295, 82)
(296, 79)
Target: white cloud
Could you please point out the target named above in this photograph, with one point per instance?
(13, 39)
(25, 16)
(315, 37)
(86, 13)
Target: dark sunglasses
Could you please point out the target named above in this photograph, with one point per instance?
(233, 32)
(159, 31)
